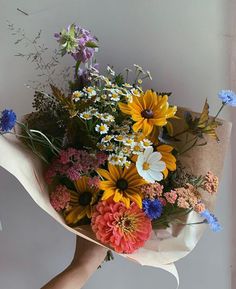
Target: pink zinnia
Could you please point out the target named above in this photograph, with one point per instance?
(124, 229)
(60, 198)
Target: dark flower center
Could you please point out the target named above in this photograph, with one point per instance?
(147, 113)
(85, 199)
(122, 184)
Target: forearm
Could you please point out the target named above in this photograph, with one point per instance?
(88, 257)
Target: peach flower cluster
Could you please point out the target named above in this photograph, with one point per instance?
(210, 183)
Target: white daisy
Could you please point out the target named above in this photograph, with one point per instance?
(149, 165)
(102, 128)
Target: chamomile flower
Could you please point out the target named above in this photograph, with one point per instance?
(119, 138)
(86, 115)
(135, 92)
(98, 115)
(107, 117)
(103, 96)
(150, 166)
(127, 85)
(127, 164)
(140, 81)
(146, 143)
(137, 148)
(101, 147)
(115, 97)
(126, 150)
(117, 159)
(90, 91)
(102, 128)
(77, 95)
(109, 147)
(129, 142)
(129, 97)
(107, 138)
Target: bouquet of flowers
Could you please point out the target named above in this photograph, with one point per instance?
(114, 163)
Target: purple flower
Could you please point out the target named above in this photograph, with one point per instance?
(78, 42)
(228, 97)
(7, 120)
(211, 220)
(152, 208)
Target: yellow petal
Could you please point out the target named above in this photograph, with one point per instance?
(105, 174)
(124, 108)
(75, 215)
(117, 197)
(135, 198)
(107, 194)
(138, 125)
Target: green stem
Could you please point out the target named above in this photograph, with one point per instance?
(77, 69)
(46, 138)
(222, 106)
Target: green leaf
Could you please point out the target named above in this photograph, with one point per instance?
(91, 44)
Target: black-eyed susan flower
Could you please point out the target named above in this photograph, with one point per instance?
(148, 110)
(123, 185)
(82, 200)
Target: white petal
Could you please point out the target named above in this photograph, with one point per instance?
(157, 176)
(147, 153)
(154, 157)
(145, 174)
(158, 166)
(140, 160)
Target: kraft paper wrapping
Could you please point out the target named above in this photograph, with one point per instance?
(165, 246)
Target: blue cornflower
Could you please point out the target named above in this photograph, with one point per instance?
(152, 208)
(7, 120)
(211, 220)
(228, 97)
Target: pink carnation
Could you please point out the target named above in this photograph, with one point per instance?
(124, 229)
(60, 198)
(171, 196)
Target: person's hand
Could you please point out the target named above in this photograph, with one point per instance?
(88, 256)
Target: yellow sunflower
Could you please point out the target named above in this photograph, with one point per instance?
(148, 110)
(121, 184)
(167, 157)
(81, 201)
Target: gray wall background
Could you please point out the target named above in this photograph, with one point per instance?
(186, 46)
